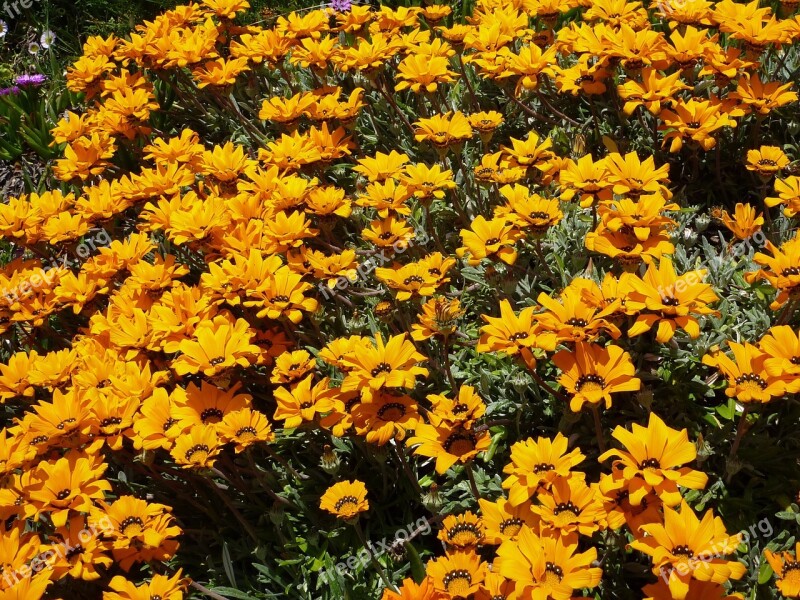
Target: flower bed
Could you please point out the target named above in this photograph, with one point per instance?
(433, 302)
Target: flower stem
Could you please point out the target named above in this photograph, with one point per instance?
(472, 483)
(598, 429)
(741, 429)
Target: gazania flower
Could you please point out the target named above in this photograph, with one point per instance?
(463, 410)
(586, 178)
(766, 160)
(70, 483)
(747, 375)
(504, 521)
(550, 567)
(495, 238)
(570, 319)
(420, 72)
(217, 346)
(284, 295)
(390, 365)
(787, 571)
(693, 120)
(459, 574)
(244, 428)
(207, 404)
(444, 130)
(345, 500)
(197, 448)
(462, 532)
(685, 548)
(160, 586)
(744, 222)
(538, 463)
(448, 445)
(426, 182)
(582, 78)
(290, 366)
(413, 591)
(671, 301)
(384, 417)
(529, 212)
(656, 91)
(762, 97)
(485, 122)
(407, 281)
(302, 403)
(779, 268)
(387, 232)
(382, 166)
(592, 373)
(439, 317)
(570, 507)
(653, 461)
(529, 153)
(619, 509)
(514, 334)
(27, 588)
(782, 345)
(788, 191)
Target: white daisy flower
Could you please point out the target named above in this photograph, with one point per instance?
(3, 29)
(34, 48)
(47, 39)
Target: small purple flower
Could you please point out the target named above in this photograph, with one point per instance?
(9, 91)
(32, 80)
(341, 5)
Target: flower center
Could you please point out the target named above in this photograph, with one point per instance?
(393, 411)
(650, 463)
(457, 582)
(590, 383)
(553, 575)
(510, 527)
(459, 444)
(198, 452)
(751, 381)
(381, 368)
(245, 434)
(682, 551)
(464, 534)
(566, 507)
(348, 501)
(212, 415)
(131, 526)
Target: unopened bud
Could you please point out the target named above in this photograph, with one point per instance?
(330, 461)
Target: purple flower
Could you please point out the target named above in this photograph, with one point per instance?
(341, 5)
(9, 91)
(36, 79)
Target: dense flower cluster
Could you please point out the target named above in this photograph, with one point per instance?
(194, 293)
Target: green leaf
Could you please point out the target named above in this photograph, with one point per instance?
(233, 593)
(228, 564)
(417, 568)
(764, 573)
